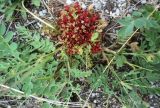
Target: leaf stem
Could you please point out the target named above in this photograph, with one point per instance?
(49, 25)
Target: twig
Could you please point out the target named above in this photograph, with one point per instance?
(73, 104)
(1, 17)
(49, 25)
(62, 1)
(87, 99)
(49, 11)
(9, 26)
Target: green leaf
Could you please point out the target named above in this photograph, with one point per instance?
(46, 105)
(107, 90)
(137, 100)
(2, 28)
(28, 85)
(24, 15)
(131, 73)
(42, 45)
(158, 53)
(126, 31)
(9, 36)
(153, 76)
(4, 66)
(125, 21)
(140, 22)
(9, 12)
(80, 74)
(7, 49)
(126, 85)
(94, 36)
(36, 2)
(120, 60)
(152, 23)
(136, 14)
(36, 44)
(124, 106)
(74, 15)
(154, 90)
(13, 46)
(2, 4)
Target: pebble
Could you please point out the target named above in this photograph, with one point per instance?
(39, 24)
(44, 11)
(98, 5)
(95, 101)
(68, 2)
(41, 14)
(120, 5)
(143, 1)
(84, 6)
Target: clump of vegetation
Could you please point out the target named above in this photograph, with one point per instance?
(37, 65)
(79, 29)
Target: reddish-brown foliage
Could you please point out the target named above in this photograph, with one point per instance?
(77, 26)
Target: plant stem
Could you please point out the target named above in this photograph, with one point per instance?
(49, 25)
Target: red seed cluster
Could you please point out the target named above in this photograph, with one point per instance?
(77, 26)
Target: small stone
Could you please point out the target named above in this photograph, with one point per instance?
(41, 13)
(93, 95)
(84, 6)
(44, 11)
(143, 1)
(117, 12)
(95, 101)
(69, 2)
(97, 4)
(151, 96)
(40, 25)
